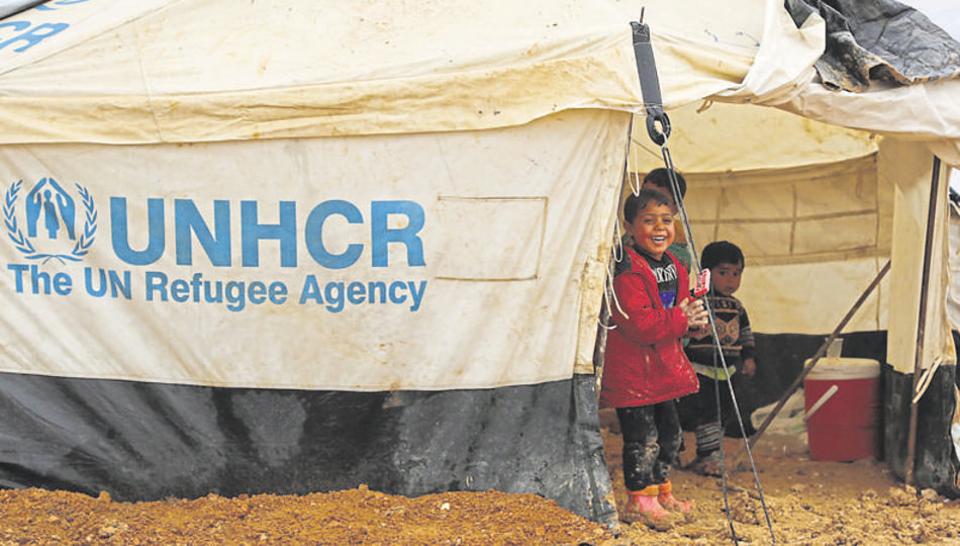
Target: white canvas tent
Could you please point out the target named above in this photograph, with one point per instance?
(408, 208)
(812, 205)
(818, 211)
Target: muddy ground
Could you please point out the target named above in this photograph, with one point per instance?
(357, 516)
(811, 503)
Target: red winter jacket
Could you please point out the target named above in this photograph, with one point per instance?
(645, 363)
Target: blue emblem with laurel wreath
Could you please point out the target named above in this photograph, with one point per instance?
(50, 214)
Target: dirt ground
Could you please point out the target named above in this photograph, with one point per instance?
(811, 502)
(357, 516)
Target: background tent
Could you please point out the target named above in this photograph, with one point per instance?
(410, 226)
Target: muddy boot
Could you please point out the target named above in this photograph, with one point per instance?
(671, 504)
(643, 506)
(708, 465)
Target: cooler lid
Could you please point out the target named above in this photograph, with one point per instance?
(836, 368)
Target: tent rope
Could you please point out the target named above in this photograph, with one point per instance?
(725, 487)
(609, 294)
(618, 241)
(658, 129)
(925, 380)
(613, 293)
(618, 232)
(695, 259)
(635, 182)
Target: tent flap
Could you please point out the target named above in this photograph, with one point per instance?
(937, 465)
(908, 168)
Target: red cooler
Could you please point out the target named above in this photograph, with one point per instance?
(844, 394)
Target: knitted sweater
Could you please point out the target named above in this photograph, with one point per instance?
(736, 337)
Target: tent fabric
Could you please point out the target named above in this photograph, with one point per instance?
(937, 463)
(812, 298)
(801, 198)
(784, 54)
(377, 67)
(802, 215)
(953, 263)
(910, 171)
(717, 137)
(482, 269)
(11, 7)
(133, 65)
(912, 63)
(188, 441)
(925, 112)
(882, 40)
(813, 237)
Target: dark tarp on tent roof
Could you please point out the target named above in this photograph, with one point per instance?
(880, 40)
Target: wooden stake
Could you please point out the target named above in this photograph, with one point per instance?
(921, 323)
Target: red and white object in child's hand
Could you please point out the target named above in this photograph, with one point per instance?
(703, 284)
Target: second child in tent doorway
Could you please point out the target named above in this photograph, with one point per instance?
(725, 261)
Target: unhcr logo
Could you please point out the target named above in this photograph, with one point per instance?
(51, 219)
(46, 222)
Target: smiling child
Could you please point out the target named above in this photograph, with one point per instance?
(646, 369)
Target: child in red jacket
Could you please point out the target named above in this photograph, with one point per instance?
(646, 369)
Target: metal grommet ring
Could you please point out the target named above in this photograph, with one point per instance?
(658, 135)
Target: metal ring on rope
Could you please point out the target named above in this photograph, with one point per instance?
(655, 116)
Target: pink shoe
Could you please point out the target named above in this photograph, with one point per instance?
(671, 504)
(643, 506)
